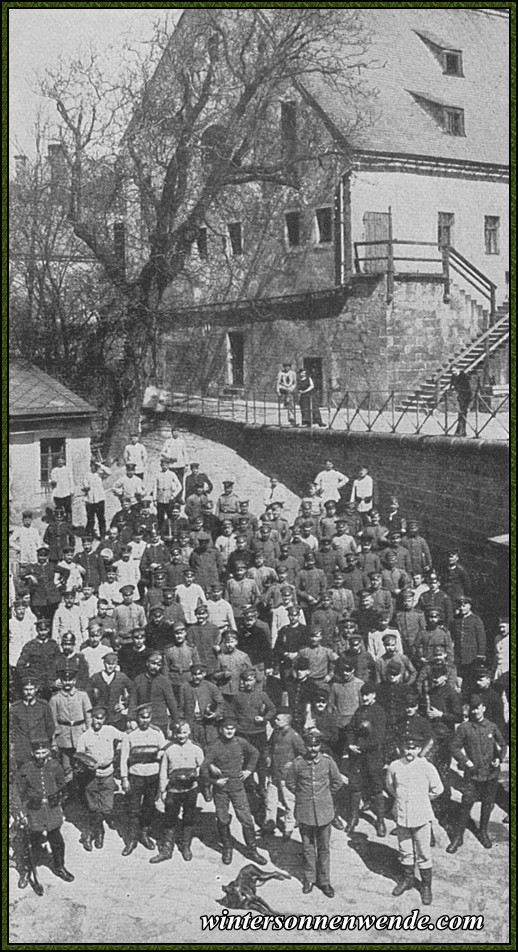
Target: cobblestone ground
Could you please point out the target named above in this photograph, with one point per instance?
(125, 900)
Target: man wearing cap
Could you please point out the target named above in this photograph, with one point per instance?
(254, 640)
(417, 547)
(490, 697)
(68, 617)
(206, 638)
(434, 634)
(201, 705)
(311, 583)
(410, 623)
(456, 579)
(25, 541)
(140, 751)
(414, 782)
(41, 576)
(175, 451)
(344, 697)
(330, 482)
(71, 712)
(62, 485)
(95, 497)
(128, 570)
(70, 656)
(241, 591)
(98, 742)
(365, 739)
(178, 658)
(188, 595)
(94, 650)
(322, 719)
(39, 658)
(219, 609)
(443, 708)
(195, 478)
(166, 489)
(289, 642)
(227, 505)
(314, 779)
(129, 485)
(111, 689)
(285, 387)
(342, 541)
(390, 653)
(375, 643)
(368, 561)
(391, 694)
(58, 534)
(129, 615)
(232, 663)
(300, 690)
(436, 598)
(155, 688)
(178, 791)
(204, 562)
(362, 660)
(135, 452)
(92, 564)
(328, 559)
(321, 659)
(254, 710)
(41, 785)
(155, 592)
(479, 749)
(133, 656)
(158, 632)
(469, 638)
(342, 598)
(29, 719)
(284, 746)
(156, 554)
(362, 492)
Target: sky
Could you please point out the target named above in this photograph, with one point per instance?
(39, 37)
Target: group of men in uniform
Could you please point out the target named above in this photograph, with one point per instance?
(263, 665)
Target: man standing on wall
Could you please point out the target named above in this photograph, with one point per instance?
(460, 382)
(286, 386)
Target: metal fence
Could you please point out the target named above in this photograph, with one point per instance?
(375, 411)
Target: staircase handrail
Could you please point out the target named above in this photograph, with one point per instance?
(473, 276)
(446, 371)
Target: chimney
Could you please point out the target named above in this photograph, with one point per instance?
(20, 165)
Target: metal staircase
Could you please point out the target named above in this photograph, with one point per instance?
(468, 360)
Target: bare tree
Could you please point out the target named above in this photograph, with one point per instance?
(154, 158)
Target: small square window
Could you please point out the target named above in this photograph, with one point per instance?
(492, 234)
(324, 218)
(454, 122)
(453, 63)
(445, 226)
(293, 229)
(50, 451)
(235, 234)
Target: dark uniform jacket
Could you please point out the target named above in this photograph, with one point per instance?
(314, 782)
(40, 788)
(367, 728)
(231, 757)
(58, 534)
(364, 664)
(439, 600)
(95, 570)
(156, 691)
(481, 743)
(205, 638)
(110, 695)
(456, 582)
(469, 639)
(196, 701)
(445, 699)
(40, 659)
(255, 642)
(28, 722)
(249, 704)
(44, 591)
(131, 662)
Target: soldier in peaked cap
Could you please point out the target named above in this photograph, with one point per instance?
(414, 782)
(71, 712)
(98, 743)
(227, 505)
(314, 780)
(201, 705)
(365, 740)
(29, 719)
(111, 688)
(139, 775)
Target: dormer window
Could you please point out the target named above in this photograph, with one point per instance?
(449, 58)
(452, 63)
(454, 122)
(449, 118)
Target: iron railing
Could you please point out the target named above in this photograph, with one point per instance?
(371, 411)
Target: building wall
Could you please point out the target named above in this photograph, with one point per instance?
(25, 463)
(364, 344)
(416, 201)
(458, 489)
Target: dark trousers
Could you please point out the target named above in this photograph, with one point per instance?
(484, 790)
(141, 802)
(184, 802)
(316, 859)
(93, 510)
(163, 511)
(66, 503)
(366, 773)
(56, 843)
(237, 797)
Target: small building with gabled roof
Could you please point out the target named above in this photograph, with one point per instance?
(46, 420)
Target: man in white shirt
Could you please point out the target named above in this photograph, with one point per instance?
(25, 541)
(274, 493)
(175, 450)
(21, 631)
(95, 497)
(362, 491)
(98, 743)
(330, 481)
(62, 485)
(129, 485)
(135, 452)
(286, 386)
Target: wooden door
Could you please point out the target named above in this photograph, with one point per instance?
(376, 227)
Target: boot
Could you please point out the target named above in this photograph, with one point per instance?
(355, 813)
(379, 808)
(185, 845)
(129, 848)
(165, 849)
(458, 839)
(433, 841)
(58, 857)
(426, 887)
(99, 836)
(87, 840)
(486, 811)
(406, 883)
(146, 840)
(251, 852)
(226, 839)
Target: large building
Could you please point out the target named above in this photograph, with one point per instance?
(347, 274)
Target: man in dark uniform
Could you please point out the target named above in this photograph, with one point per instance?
(92, 563)
(460, 382)
(58, 534)
(45, 594)
(206, 638)
(365, 739)
(254, 639)
(201, 705)
(469, 638)
(362, 660)
(228, 763)
(227, 505)
(290, 640)
(456, 580)
(314, 779)
(443, 708)
(29, 719)
(479, 748)
(155, 688)
(111, 688)
(133, 657)
(41, 784)
(436, 598)
(39, 657)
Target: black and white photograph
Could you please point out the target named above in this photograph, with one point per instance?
(258, 526)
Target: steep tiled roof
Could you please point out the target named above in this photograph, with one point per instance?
(33, 393)
(405, 64)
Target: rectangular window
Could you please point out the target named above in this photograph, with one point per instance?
(202, 242)
(50, 451)
(445, 226)
(324, 218)
(454, 122)
(492, 234)
(235, 234)
(453, 63)
(288, 129)
(293, 229)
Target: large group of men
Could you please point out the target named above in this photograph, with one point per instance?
(292, 672)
